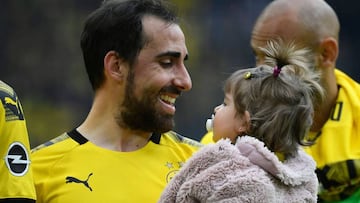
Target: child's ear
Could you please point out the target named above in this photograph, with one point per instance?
(244, 125)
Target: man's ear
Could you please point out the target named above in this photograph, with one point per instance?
(329, 52)
(114, 66)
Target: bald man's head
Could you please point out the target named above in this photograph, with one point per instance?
(305, 22)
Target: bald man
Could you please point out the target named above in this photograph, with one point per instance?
(336, 132)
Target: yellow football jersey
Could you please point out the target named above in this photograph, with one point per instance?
(16, 179)
(71, 169)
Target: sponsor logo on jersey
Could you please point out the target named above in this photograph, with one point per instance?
(71, 179)
(17, 159)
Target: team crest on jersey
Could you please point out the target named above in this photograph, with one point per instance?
(17, 159)
(170, 175)
(173, 169)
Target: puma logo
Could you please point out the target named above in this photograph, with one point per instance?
(70, 179)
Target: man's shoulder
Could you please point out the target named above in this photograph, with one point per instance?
(6, 90)
(345, 80)
(10, 105)
(173, 138)
(52, 144)
(349, 90)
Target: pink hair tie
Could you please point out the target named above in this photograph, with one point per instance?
(276, 71)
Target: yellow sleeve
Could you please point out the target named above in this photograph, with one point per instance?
(207, 138)
(15, 172)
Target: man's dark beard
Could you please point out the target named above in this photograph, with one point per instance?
(141, 114)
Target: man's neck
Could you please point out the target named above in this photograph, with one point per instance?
(102, 129)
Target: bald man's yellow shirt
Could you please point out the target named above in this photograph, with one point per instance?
(337, 147)
(71, 169)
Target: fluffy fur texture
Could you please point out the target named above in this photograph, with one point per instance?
(244, 172)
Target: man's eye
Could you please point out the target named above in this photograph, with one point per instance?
(166, 63)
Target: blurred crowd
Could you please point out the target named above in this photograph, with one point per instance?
(41, 58)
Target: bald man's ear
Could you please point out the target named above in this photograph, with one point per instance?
(329, 52)
(114, 66)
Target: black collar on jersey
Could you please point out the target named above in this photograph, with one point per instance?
(155, 138)
(79, 138)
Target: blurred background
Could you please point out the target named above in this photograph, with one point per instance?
(40, 57)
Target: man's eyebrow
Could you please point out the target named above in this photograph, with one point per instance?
(172, 54)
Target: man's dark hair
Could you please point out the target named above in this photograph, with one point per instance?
(117, 25)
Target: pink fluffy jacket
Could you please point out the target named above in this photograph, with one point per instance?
(244, 172)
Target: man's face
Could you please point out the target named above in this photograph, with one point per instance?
(156, 79)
